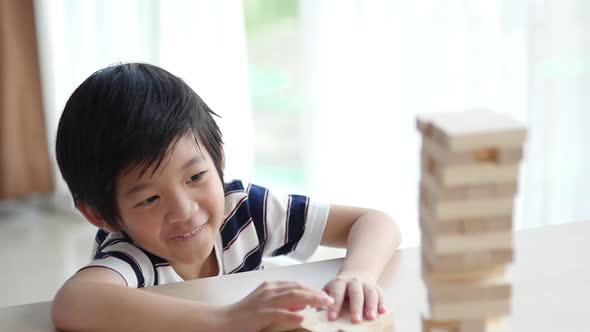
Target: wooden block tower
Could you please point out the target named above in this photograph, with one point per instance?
(470, 163)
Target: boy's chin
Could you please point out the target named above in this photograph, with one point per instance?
(197, 257)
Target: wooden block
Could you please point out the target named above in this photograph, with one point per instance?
(449, 243)
(478, 325)
(483, 325)
(467, 226)
(509, 156)
(470, 174)
(496, 286)
(457, 244)
(430, 325)
(433, 192)
(492, 207)
(465, 262)
(485, 272)
(470, 310)
(473, 129)
(493, 190)
(317, 321)
(432, 149)
(474, 325)
(495, 326)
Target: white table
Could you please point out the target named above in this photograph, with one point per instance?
(551, 285)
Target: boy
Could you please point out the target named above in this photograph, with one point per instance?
(143, 159)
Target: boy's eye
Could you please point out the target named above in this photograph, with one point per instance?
(148, 201)
(197, 177)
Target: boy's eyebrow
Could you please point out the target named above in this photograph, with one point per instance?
(194, 160)
(187, 164)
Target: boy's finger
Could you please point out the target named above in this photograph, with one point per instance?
(280, 284)
(337, 291)
(298, 297)
(381, 304)
(297, 307)
(285, 319)
(371, 302)
(356, 300)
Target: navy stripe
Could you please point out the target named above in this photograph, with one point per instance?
(237, 235)
(127, 259)
(233, 225)
(156, 261)
(257, 202)
(296, 217)
(101, 235)
(233, 186)
(232, 213)
(250, 262)
(109, 243)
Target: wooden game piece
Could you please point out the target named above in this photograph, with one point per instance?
(494, 286)
(468, 130)
(483, 325)
(496, 190)
(431, 148)
(464, 226)
(461, 243)
(470, 310)
(464, 262)
(441, 244)
(470, 174)
(483, 272)
(509, 156)
(473, 325)
(469, 209)
(430, 325)
(434, 192)
(317, 321)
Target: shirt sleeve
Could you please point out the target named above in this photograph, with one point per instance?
(127, 260)
(293, 224)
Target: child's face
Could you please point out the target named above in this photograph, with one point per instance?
(177, 212)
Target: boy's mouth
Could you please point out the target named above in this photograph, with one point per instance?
(190, 234)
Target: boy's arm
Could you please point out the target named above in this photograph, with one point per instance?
(371, 238)
(97, 299)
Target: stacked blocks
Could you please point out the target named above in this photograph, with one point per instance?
(470, 164)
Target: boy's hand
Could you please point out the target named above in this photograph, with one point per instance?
(365, 297)
(272, 303)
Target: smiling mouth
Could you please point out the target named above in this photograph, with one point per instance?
(191, 233)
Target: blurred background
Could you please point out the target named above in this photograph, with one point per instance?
(316, 98)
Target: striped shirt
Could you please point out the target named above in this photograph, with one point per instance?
(257, 223)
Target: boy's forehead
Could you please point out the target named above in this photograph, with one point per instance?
(181, 153)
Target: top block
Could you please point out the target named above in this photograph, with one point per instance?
(467, 130)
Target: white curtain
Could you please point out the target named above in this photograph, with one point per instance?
(371, 65)
(201, 41)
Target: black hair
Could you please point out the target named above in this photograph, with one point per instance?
(126, 116)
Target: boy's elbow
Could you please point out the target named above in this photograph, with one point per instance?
(392, 227)
(62, 310)
(59, 312)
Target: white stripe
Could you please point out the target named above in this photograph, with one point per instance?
(246, 242)
(317, 216)
(231, 202)
(139, 256)
(166, 275)
(120, 266)
(276, 214)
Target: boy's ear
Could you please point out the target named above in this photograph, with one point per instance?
(94, 217)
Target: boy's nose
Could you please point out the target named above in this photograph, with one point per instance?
(181, 208)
